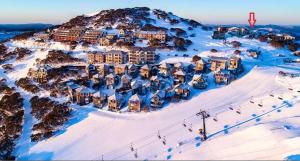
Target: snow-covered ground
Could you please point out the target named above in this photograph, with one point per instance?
(237, 129)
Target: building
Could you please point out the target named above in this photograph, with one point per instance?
(158, 99)
(140, 55)
(199, 81)
(99, 99)
(72, 91)
(253, 53)
(217, 63)
(40, 73)
(164, 69)
(68, 35)
(42, 36)
(116, 57)
(180, 77)
(126, 81)
(200, 66)
(84, 95)
(223, 77)
(103, 69)
(151, 35)
(135, 103)
(145, 71)
(111, 81)
(120, 69)
(235, 65)
(95, 57)
(133, 70)
(92, 36)
(115, 102)
(182, 91)
(218, 35)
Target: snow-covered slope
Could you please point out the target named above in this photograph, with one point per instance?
(237, 129)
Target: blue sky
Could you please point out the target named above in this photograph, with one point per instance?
(282, 12)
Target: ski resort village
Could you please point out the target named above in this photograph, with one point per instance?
(142, 84)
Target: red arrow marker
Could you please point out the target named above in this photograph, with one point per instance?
(252, 19)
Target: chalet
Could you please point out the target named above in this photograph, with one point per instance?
(235, 65)
(135, 103)
(164, 69)
(72, 91)
(155, 83)
(42, 36)
(132, 70)
(223, 77)
(218, 35)
(158, 99)
(142, 55)
(199, 81)
(182, 91)
(238, 31)
(180, 77)
(169, 91)
(200, 66)
(111, 36)
(92, 36)
(123, 32)
(126, 81)
(40, 73)
(116, 57)
(99, 99)
(151, 35)
(120, 69)
(145, 88)
(136, 86)
(84, 95)
(254, 53)
(65, 35)
(115, 102)
(98, 80)
(222, 29)
(217, 63)
(178, 66)
(103, 69)
(111, 81)
(95, 57)
(145, 71)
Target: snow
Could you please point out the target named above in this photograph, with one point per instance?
(243, 130)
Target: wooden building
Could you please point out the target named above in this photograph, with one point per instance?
(200, 66)
(145, 71)
(165, 69)
(126, 81)
(235, 65)
(111, 81)
(158, 99)
(199, 81)
(180, 77)
(103, 69)
(84, 95)
(120, 69)
(68, 35)
(223, 77)
(92, 36)
(99, 99)
(115, 102)
(135, 103)
(182, 91)
(217, 63)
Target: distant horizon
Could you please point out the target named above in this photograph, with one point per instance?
(205, 11)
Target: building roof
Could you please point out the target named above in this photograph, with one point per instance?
(164, 65)
(115, 96)
(74, 86)
(216, 58)
(111, 75)
(180, 72)
(85, 90)
(135, 97)
(146, 67)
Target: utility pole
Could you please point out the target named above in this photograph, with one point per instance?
(204, 115)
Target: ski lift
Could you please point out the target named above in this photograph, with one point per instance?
(279, 97)
(184, 124)
(260, 104)
(251, 100)
(131, 147)
(238, 111)
(215, 119)
(298, 91)
(135, 153)
(190, 129)
(231, 108)
(271, 94)
(158, 135)
(290, 89)
(201, 131)
(164, 140)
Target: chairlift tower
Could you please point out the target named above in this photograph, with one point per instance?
(204, 115)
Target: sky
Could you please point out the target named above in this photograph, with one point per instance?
(280, 12)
